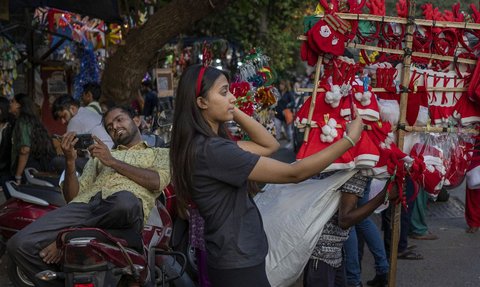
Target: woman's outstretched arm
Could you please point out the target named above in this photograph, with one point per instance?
(273, 171)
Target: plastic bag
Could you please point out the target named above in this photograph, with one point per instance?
(293, 217)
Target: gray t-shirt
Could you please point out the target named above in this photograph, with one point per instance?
(89, 122)
(234, 233)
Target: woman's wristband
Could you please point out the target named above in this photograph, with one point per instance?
(18, 177)
(349, 139)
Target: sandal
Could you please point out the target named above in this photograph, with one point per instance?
(426, 236)
(409, 255)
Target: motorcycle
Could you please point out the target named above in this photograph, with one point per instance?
(93, 256)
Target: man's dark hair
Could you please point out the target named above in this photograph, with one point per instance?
(94, 89)
(63, 103)
(127, 110)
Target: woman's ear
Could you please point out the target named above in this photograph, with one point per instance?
(202, 103)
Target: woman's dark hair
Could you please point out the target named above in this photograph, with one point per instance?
(188, 123)
(5, 116)
(42, 148)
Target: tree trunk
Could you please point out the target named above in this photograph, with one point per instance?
(125, 69)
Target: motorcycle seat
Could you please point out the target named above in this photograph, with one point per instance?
(126, 237)
(52, 195)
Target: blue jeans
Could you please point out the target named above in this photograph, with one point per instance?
(368, 232)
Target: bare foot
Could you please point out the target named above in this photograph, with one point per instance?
(51, 254)
(472, 229)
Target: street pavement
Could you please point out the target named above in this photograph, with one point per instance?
(451, 261)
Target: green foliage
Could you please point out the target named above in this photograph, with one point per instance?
(270, 25)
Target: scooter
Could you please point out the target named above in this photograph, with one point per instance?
(92, 256)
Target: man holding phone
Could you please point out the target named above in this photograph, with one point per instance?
(79, 119)
(117, 190)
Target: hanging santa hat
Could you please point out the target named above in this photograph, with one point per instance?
(382, 136)
(431, 154)
(327, 127)
(366, 104)
(474, 86)
(467, 111)
(365, 152)
(328, 35)
(417, 104)
(459, 163)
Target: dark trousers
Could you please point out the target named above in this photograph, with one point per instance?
(121, 210)
(405, 216)
(254, 276)
(319, 274)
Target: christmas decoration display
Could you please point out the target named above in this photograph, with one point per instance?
(254, 90)
(8, 66)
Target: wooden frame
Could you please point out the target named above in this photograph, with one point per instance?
(164, 78)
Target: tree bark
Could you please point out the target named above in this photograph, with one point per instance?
(125, 69)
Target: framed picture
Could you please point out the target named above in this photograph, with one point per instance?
(164, 82)
(56, 83)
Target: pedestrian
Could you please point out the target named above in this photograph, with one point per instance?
(91, 97)
(31, 144)
(117, 190)
(326, 266)
(472, 209)
(210, 173)
(80, 120)
(6, 126)
(284, 111)
(404, 251)
(366, 231)
(418, 228)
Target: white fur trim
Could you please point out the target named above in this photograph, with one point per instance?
(470, 120)
(340, 166)
(366, 160)
(389, 111)
(369, 114)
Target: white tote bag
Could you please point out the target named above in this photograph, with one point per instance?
(293, 217)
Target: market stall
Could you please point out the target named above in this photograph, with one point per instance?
(413, 83)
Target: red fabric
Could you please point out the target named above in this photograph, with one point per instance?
(326, 39)
(472, 207)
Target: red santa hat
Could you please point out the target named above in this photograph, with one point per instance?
(433, 180)
(327, 127)
(431, 154)
(417, 107)
(467, 111)
(459, 163)
(328, 35)
(382, 137)
(365, 152)
(366, 103)
(474, 87)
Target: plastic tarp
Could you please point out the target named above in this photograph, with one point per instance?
(293, 217)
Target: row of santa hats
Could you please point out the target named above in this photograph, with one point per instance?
(376, 153)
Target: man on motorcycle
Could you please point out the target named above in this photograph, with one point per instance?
(117, 190)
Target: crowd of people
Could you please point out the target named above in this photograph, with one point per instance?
(211, 175)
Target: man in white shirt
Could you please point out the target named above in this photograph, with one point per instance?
(79, 119)
(91, 96)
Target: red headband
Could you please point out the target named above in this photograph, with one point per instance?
(199, 81)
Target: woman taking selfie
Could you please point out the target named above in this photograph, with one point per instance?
(210, 172)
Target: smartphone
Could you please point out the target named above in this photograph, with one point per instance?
(84, 141)
(58, 137)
